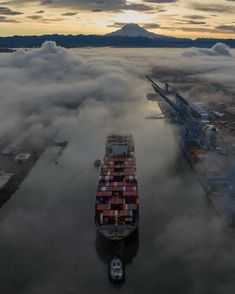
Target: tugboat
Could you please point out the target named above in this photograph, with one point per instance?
(116, 270)
(97, 163)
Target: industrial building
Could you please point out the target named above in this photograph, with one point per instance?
(21, 157)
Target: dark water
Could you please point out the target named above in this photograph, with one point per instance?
(48, 240)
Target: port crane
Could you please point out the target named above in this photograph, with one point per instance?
(185, 114)
(188, 117)
(220, 163)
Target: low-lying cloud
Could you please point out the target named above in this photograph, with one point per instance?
(219, 49)
(39, 86)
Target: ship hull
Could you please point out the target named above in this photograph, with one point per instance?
(116, 233)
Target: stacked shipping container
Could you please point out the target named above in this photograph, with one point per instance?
(117, 200)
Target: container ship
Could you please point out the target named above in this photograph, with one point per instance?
(117, 197)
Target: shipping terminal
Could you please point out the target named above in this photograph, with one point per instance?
(207, 137)
(117, 197)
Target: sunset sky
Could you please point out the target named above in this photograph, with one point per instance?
(181, 18)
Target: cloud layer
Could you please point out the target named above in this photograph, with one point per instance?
(38, 87)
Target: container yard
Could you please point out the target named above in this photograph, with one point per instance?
(207, 136)
(117, 203)
(18, 158)
(16, 161)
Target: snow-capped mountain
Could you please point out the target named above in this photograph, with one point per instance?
(133, 30)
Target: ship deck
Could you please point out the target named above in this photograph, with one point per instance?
(117, 197)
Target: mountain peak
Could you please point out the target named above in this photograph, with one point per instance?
(133, 30)
(132, 26)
